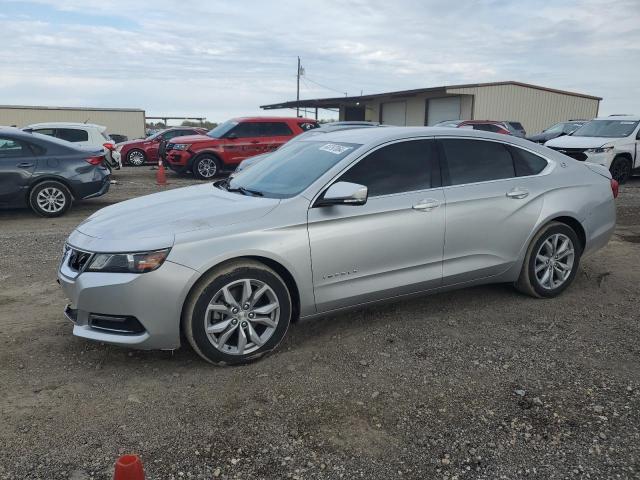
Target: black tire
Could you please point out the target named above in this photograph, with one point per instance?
(205, 291)
(136, 158)
(528, 282)
(53, 190)
(206, 167)
(620, 169)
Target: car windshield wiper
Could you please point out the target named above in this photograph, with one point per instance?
(245, 191)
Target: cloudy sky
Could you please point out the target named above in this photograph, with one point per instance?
(221, 59)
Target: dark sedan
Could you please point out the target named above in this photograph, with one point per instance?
(557, 130)
(47, 174)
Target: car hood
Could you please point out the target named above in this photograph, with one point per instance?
(569, 141)
(193, 139)
(160, 216)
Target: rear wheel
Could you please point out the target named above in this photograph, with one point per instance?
(206, 167)
(551, 262)
(238, 313)
(136, 158)
(620, 169)
(50, 199)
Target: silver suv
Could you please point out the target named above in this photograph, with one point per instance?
(329, 223)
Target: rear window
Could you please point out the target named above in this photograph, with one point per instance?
(527, 163)
(72, 134)
(516, 125)
(275, 129)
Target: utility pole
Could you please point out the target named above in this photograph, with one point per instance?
(298, 90)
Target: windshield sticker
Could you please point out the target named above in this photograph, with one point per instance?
(335, 149)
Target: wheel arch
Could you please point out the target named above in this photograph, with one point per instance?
(50, 178)
(275, 265)
(574, 224)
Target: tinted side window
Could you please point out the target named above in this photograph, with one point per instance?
(276, 129)
(72, 134)
(46, 131)
(12, 148)
(247, 129)
(396, 168)
(471, 161)
(527, 163)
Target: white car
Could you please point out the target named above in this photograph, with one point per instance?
(83, 135)
(613, 142)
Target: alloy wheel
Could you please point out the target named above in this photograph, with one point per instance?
(554, 261)
(51, 200)
(242, 316)
(136, 158)
(207, 168)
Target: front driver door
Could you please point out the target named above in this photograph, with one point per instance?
(390, 246)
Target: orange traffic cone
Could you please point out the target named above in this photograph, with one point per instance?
(161, 178)
(128, 467)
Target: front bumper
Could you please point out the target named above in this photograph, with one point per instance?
(178, 158)
(154, 299)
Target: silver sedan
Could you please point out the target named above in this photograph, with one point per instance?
(331, 223)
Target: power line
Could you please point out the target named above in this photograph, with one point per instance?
(325, 87)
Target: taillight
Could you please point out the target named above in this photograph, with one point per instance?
(109, 146)
(615, 186)
(97, 160)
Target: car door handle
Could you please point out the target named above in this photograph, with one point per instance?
(25, 165)
(426, 205)
(255, 141)
(518, 193)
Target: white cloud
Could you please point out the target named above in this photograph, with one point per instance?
(226, 58)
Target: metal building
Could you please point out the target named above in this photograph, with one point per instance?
(534, 106)
(124, 121)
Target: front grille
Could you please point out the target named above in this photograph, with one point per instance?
(78, 260)
(577, 153)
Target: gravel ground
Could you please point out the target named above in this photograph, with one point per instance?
(477, 383)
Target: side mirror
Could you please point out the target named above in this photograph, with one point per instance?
(344, 193)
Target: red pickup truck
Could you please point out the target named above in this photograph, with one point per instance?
(224, 147)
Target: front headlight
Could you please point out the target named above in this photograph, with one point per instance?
(181, 146)
(604, 149)
(139, 262)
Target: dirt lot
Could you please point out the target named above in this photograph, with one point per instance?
(478, 383)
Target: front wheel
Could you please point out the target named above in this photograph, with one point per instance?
(206, 167)
(620, 169)
(238, 313)
(551, 262)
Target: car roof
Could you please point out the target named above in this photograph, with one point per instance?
(273, 119)
(66, 124)
(377, 136)
(633, 118)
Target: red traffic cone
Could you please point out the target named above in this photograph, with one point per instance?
(161, 178)
(128, 467)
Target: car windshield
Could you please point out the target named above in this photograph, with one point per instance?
(220, 130)
(606, 128)
(289, 171)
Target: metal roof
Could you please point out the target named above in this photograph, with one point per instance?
(40, 107)
(335, 102)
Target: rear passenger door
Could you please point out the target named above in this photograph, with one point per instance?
(390, 246)
(493, 200)
(274, 134)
